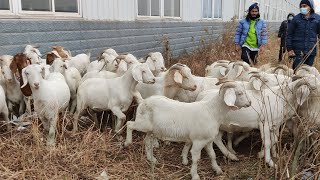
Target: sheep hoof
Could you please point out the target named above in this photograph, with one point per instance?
(271, 163)
(156, 143)
(219, 171)
(233, 157)
(185, 161)
(196, 177)
(261, 154)
(127, 143)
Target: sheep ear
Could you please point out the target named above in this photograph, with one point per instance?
(257, 84)
(302, 94)
(24, 78)
(240, 70)
(223, 71)
(137, 74)
(177, 77)
(230, 98)
(150, 64)
(13, 66)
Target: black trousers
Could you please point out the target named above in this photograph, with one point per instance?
(247, 55)
(281, 52)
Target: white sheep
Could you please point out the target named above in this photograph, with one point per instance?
(80, 62)
(50, 96)
(171, 120)
(269, 109)
(155, 62)
(218, 69)
(111, 51)
(105, 62)
(34, 55)
(169, 83)
(72, 76)
(13, 92)
(114, 94)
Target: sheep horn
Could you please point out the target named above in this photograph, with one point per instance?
(100, 56)
(283, 67)
(177, 66)
(223, 61)
(223, 80)
(296, 77)
(221, 64)
(227, 85)
(241, 63)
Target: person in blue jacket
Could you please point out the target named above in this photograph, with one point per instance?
(251, 35)
(302, 35)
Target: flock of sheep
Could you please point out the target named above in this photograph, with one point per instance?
(173, 104)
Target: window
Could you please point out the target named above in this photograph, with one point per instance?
(4, 5)
(172, 8)
(149, 7)
(217, 8)
(207, 8)
(66, 6)
(240, 9)
(159, 8)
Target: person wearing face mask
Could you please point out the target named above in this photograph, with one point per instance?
(302, 35)
(251, 35)
(282, 35)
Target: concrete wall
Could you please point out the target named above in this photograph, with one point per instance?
(138, 38)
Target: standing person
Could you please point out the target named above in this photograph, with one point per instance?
(251, 35)
(302, 35)
(282, 35)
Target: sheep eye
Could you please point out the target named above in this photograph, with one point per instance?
(143, 71)
(26, 73)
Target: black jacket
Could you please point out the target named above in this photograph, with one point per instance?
(283, 31)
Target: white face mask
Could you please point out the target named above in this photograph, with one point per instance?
(290, 18)
(304, 11)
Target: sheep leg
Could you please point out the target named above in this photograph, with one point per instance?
(120, 117)
(149, 149)
(27, 101)
(274, 141)
(52, 132)
(5, 113)
(143, 126)
(223, 149)
(197, 146)
(22, 107)
(241, 138)
(230, 148)
(73, 105)
(184, 153)
(212, 156)
(266, 138)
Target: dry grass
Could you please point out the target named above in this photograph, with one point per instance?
(86, 154)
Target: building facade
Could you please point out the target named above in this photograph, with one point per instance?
(134, 26)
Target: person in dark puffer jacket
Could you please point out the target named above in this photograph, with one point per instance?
(251, 35)
(282, 35)
(302, 35)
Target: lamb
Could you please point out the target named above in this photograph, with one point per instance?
(72, 76)
(13, 92)
(175, 78)
(50, 96)
(171, 120)
(112, 94)
(270, 108)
